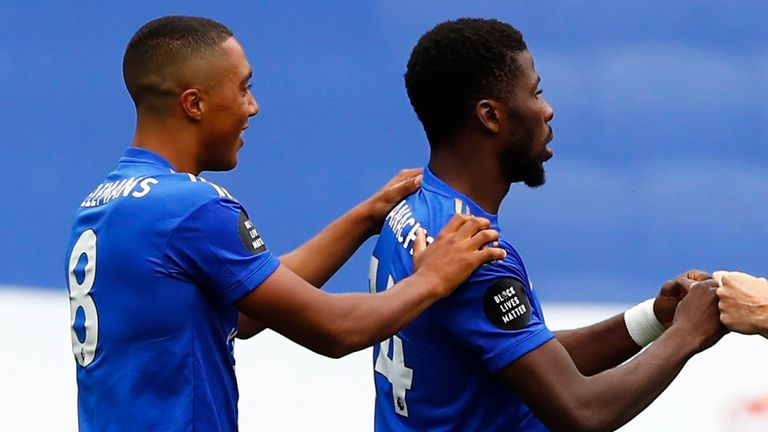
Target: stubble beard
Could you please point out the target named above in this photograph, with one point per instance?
(521, 166)
(535, 177)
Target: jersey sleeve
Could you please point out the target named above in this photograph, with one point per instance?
(218, 248)
(496, 314)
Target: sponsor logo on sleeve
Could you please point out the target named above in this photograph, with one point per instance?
(506, 304)
(249, 236)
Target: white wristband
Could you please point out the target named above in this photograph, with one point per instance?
(642, 324)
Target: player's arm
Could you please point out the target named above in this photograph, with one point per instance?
(335, 325)
(608, 343)
(319, 258)
(743, 302)
(600, 346)
(564, 399)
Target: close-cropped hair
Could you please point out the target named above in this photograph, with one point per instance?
(159, 47)
(457, 64)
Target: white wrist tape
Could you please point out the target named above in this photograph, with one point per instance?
(642, 324)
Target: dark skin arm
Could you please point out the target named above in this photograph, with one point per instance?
(336, 325)
(321, 257)
(564, 399)
(615, 345)
(607, 344)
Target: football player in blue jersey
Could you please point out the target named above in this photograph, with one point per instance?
(164, 268)
(483, 358)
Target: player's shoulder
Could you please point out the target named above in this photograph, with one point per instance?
(511, 266)
(436, 207)
(419, 210)
(186, 192)
(188, 186)
(433, 210)
(153, 196)
(187, 196)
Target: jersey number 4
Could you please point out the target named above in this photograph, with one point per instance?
(81, 279)
(393, 369)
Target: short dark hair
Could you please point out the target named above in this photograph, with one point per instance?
(457, 64)
(160, 46)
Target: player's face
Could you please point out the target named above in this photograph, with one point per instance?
(528, 131)
(229, 105)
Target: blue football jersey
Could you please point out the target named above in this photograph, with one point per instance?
(154, 264)
(439, 373)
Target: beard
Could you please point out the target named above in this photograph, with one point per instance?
(521, 166)
(520, 161)
(534, 175)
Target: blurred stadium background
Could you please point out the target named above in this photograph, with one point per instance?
(660, 147)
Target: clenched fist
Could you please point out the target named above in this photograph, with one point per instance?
(743, 302)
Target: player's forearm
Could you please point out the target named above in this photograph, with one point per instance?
(600, 346)
(319, 258)
(610, 399)
(357, 321)
(335, 325)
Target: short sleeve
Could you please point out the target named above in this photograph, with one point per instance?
(496, 314)
(219, 249)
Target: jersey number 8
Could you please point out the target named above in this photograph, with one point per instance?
(80, 298)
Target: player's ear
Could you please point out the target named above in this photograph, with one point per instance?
(192, 104)
(489, 115)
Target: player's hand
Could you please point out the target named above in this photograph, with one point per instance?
(379, 204)
(672, 292)
(457, 251)
(698, 317)
(743, 302)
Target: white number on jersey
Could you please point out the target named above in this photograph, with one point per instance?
(80, 297)
(394, 369)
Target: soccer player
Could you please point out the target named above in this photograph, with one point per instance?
(483, 359)
(160, 261)
(743, 302)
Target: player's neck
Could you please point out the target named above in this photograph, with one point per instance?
(472, 173)
(168, 141)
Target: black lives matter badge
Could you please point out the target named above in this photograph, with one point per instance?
(506, 304)
(248, 235)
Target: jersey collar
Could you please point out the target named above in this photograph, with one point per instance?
(140, 155)
(432, 183)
